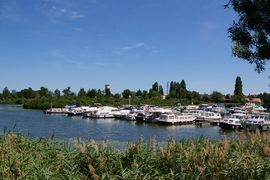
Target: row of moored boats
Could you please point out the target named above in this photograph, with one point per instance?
(249, 117)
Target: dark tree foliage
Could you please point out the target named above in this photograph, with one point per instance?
(99, 93)
(67, 91)
(178, 90)
(126, 93)
(238, 90)
(139, 93)
(81, 92)
(183, 85)
(156, 90)
(217, 97)
(44, 92)
(251, 33)
(92, 93)
(27, 93)
(155, 87)
(6, 93)
(145, 94)
(160, 90)
(266, 100)
(57, 93)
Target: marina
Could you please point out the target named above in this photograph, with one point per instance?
(126, 123)
(216, 115)
(35, 123)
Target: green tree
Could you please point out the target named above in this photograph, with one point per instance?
(57, 93)
(251, 33)
(67, 91)
(99, 93)
(117, 96)
(155, 87)
(183, 85)
(144, 94)
(92, 93)
(138, 93)
(238, 90)
(6, 93)
(27, 93)
(205, 98)
(217, 97)
(44, 92)
(266, 100)
(160, 90)
(126, 93)
(81, 92)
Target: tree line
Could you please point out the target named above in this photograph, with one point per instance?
(177, 93)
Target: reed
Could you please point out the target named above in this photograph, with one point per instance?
(245, 157)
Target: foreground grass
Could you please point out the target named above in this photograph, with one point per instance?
(247, 157)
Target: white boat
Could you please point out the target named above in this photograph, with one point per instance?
(233, 121)
(257, 121)
(104, 112)
(76, 111)
(208, 116)
(175, 118)
(56, 111)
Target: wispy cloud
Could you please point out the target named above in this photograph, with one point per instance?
(64, 13)
(124, 49)
(134, 46)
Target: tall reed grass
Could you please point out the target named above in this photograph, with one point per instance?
(245, 157)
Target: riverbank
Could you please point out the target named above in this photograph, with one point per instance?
(246, 157)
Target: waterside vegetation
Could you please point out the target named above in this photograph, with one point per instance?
(245, 157)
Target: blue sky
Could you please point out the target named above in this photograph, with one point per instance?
(125, 43)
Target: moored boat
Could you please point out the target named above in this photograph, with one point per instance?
(233, 121)
(257, 121)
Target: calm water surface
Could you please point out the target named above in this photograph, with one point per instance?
(37, 124)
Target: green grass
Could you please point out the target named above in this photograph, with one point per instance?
(247, 157)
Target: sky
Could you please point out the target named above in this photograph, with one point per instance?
(125, 43)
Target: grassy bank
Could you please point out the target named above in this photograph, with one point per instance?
(247, 157)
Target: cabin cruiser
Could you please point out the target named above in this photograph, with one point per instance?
(257, 121)
(103, 112)
(208, 116)
(233, 121)
(76, 111)
(174, 118)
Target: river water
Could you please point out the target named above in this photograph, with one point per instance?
(37, 124)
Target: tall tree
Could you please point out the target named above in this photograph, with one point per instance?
(81, 92)
(238, 90)
(183, 85)
(155, 87)
(6, 93)
(160, 90)
(251, 33)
